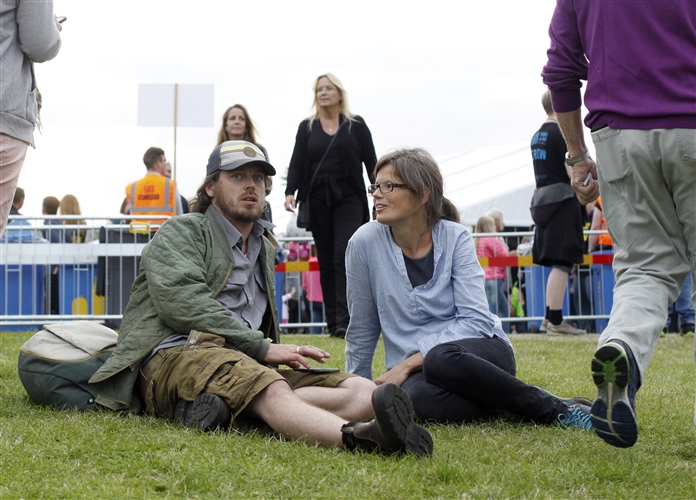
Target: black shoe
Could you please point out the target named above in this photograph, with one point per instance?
(393, 430)
(686, 328)
(206, 413)
(339, 333)
(566, 401)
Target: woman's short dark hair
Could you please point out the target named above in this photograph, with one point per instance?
(51, 204)
(420, 172)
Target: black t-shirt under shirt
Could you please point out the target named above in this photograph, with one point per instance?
(317, 145)
(420, 270)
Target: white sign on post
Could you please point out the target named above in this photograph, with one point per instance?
(174, 105)
(193, 106)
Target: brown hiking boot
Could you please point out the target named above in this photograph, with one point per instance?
(393, 430)
(564, 328)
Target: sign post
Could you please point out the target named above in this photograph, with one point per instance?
(175, 105)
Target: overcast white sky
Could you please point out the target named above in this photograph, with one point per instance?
(448, 76)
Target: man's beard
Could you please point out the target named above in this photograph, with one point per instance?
(243, 215)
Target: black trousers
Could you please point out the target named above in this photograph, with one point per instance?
(474, 379)
(332, 227)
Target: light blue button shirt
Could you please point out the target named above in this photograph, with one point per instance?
(451, 306)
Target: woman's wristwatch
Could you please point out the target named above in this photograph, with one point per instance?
(577, 159)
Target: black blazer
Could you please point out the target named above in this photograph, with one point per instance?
(354, 142)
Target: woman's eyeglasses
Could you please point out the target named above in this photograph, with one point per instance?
(385, 187)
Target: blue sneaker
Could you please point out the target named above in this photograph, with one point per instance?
(616, 376)
(577, 416)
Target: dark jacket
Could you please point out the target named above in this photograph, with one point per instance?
(354, 141)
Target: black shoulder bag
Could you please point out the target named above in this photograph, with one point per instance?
(304, 218)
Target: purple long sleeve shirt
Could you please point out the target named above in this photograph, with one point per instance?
(641, 72)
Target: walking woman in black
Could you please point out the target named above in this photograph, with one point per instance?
(326, 168)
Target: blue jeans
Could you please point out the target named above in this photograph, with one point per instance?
(497, 301)
(317, 311)
(684, 307)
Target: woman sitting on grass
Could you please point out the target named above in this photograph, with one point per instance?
(413, 276)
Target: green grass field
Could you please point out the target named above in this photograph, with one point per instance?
(50, 454)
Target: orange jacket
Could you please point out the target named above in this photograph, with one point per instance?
(154, 194)
(603, 239)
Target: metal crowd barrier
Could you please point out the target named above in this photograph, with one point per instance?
(42, 282)
(588, 297)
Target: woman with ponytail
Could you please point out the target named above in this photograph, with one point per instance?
(414, 278)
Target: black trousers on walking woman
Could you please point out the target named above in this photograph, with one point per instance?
(332, 227)
(474, 379)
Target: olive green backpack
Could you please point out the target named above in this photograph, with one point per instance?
(56, 363)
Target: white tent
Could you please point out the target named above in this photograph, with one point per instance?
(496, 177)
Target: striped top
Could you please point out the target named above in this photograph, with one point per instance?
(451, 306)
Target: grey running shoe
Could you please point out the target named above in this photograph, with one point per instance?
(564, 328)
(577, 416)
(616, 376)
(567, 401)
(393, 430)
(544, 325)
(206, 413)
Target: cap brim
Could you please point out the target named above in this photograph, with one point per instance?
(266, 167)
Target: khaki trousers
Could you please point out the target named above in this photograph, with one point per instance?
(647, 179)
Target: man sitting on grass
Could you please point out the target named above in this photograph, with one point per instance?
(199, 342)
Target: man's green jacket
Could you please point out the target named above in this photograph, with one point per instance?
(182, 270)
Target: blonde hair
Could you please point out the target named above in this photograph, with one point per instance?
(70, 206)
(484, 224)
(343, 105)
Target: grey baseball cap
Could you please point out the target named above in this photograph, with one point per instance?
(231, 155)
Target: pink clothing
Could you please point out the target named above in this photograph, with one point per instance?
(298, 251)
(12, 153)
(312, 284)
(492, 246)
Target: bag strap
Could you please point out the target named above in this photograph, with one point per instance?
(325, 153)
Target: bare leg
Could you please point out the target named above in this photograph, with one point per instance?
(281, 408)
(351, 399)
(555, 289)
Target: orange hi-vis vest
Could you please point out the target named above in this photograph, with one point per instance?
(603, 239)
(154, 194)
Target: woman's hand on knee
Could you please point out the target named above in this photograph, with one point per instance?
(402, 371)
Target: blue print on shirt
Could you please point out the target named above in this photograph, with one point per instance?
(540, 138)
(538, 154)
